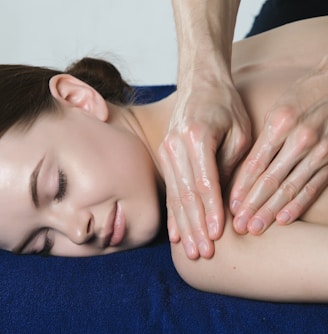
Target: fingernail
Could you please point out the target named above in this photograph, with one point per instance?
(241, 224)
(213, 229)
(257, 225)
(235, 206)
(190, 249)
(283, 217)
(203, 248)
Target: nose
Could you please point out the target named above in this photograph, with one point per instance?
(77, 227)
(81, 232)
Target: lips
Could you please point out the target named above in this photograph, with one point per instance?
(114, 229)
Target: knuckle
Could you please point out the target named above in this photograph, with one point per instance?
(203, 184)
(189, 133)
(188, 198)
(169, 142)
(251, 208)
(307, 136)
(268, 214)
(270, 181)
(322, 152)
(243, 141)
(253, 165)
(283, 118)
(196, 230)
(193, 129)
(195, 132)
(174, 203)
(310, 190)
(289, 190)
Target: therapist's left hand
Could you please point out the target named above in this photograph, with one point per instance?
(287, 168)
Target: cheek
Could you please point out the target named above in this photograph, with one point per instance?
(135, 181)
(114, 163)
(127, 160)
(14, 227)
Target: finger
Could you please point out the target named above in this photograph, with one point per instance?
(192, 204)
(277, 126)
(175, 208)
(304, 198)
(255, 163)
(208, 187)
(297, 145)
(258, 188)
(186, 204)
(171, 192)
(174, 205)
(172, 227)
(266, 215)
(207, 182)
(289, 189)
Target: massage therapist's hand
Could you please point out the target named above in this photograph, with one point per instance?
(209, 123)
(287, 168)
(208, 115)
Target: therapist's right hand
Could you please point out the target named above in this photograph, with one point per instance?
(287, 168)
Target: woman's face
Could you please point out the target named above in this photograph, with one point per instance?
(81, 185)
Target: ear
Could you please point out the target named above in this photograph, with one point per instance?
(73, 92)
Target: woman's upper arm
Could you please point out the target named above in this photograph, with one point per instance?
(287, 263)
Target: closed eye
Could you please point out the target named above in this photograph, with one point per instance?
(62, 186)
(48, 244)
(34, 239)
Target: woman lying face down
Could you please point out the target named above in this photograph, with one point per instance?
(79, 172)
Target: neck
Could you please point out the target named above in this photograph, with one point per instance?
(151, 124)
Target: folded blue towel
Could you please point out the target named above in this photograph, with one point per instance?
(136, 291)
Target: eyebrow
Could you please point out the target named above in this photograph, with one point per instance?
(34, 183)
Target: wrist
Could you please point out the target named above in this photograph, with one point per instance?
(204, 72)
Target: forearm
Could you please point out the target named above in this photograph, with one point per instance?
(205, 33)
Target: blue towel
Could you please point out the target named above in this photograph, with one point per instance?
(136, 291)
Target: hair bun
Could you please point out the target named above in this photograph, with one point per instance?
(104, 77)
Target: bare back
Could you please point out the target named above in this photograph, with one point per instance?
(264, 66)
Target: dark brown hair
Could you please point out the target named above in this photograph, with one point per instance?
(25, 94)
